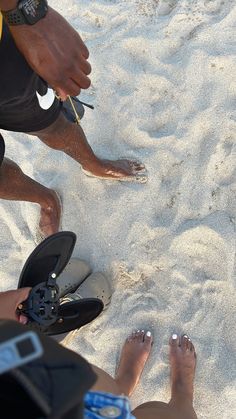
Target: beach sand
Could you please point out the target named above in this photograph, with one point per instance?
(163, 87)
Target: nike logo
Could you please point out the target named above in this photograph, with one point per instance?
(46, 101)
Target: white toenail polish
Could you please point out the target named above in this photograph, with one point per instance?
(137, 331)
(174, 336)
(185, 336)
(142, 331)
(148, 334)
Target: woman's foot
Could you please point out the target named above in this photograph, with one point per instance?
(50, 215)
(134, 355)
(183, 365)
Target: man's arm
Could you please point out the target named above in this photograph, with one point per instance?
(9, 301)
(8, 4)
(54, 50)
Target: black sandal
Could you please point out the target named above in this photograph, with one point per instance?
(43, 308)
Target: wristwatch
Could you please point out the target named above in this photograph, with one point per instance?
(27, 12)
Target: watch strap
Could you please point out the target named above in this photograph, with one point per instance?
(27, 12)
(14, 17)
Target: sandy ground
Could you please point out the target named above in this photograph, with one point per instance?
(163, 87)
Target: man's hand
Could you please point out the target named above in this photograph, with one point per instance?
(8, 4)
(9, 301)
(55, 51)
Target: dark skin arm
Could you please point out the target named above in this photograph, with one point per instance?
(9, 301)
(54, 50)
(8, 4)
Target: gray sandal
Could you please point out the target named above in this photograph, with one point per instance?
(73, 275)
(95, 285)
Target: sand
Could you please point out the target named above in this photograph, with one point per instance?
(163, 87)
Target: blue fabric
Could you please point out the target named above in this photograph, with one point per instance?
(100, 405)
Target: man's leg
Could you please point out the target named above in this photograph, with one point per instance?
(69, 137)
(183, 364)
(20, 112)
(16, 186)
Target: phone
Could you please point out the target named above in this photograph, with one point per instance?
(19, 351)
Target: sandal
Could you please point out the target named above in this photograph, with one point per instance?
(43, 307)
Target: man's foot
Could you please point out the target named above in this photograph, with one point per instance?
(69, 137)
(123, 170)
(133, 358)
(50, 215)
(183, 365)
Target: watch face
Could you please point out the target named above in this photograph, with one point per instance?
(33, 10)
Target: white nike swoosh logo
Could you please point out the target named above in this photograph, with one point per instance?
(46, 101)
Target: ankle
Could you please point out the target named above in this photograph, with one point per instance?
(182, 407)
(123, 388)
(47, 201)
(180, 395)
(91, 163)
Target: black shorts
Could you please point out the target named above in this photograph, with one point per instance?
(27, 104)
(2, 149)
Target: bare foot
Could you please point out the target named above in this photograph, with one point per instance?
(50, 215)
(133, 358)
(118, 170)
(183, 365)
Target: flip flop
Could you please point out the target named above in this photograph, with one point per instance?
(139, 177)
(95, 285)
(42, 307)
(73, 275)
(74, 315)
(51, 255)
(71, 316)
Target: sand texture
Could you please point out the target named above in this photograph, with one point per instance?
(164, 91)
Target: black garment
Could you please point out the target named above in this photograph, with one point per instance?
(52, 386)
(20, 109)
(2, 149)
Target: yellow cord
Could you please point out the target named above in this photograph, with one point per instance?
(73, 107)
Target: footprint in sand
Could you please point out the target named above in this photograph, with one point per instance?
(206, 248)
(166, 6)
(213, 6)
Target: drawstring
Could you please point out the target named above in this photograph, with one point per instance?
(74, 110)
(71, 98)
(83, 103)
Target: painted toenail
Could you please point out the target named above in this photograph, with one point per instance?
(142, 331)
(185, 336)
(174, 336)
(148, 334)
